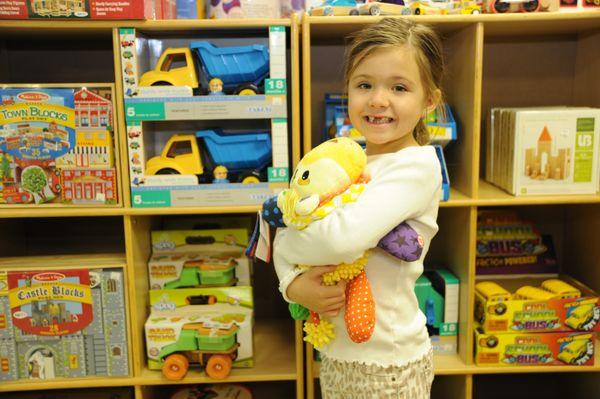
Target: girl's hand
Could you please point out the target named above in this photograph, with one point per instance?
(307, 290)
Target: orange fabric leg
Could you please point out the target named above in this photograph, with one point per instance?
(360, 309)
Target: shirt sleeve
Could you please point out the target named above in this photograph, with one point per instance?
(401, 189)
(286, 272)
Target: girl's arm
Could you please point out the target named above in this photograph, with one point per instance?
(305, 287)
(402, 189)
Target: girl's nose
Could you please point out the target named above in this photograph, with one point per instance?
(378, 99)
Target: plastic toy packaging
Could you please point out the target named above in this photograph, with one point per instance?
(289, 7)
(221, 9)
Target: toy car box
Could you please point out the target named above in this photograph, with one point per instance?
(534, 349)
(199, 258)
(57, 145)
(438, 295)
(87, 9)
(537, 315)
(216, 79)
(207, 312)
(63, 323)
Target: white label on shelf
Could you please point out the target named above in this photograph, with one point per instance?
(277, 52)
(279, 136)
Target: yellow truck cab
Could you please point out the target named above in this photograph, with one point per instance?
(180, 155)
(175, 67)
(572, 351)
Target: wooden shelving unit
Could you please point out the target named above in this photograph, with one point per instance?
(492, 60)
(71, 51)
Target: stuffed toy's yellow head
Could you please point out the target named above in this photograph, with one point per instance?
(326, 171)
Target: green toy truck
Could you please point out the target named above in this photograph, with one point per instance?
(207, 272)
(213, 350)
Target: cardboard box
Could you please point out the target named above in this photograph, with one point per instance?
(57, 145)
(521, 315)
(219, 162)
(199, 258)
(63, 323)
(438, 295)
(534, 349)
(87, 9)
(545, 150)
(223, 313)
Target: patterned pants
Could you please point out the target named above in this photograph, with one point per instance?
(358, 381)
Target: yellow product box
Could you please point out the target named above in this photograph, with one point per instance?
(524, 305)
(534, 349)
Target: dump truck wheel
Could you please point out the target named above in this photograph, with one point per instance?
(219, 366)
(251, 180)
(175, 367)
(161, 83)
(167, 171)
(247, 90)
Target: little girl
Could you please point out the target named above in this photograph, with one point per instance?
(393, 75)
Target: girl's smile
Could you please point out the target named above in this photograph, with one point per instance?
(386, 99)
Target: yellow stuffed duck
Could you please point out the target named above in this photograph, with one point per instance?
(329, 177)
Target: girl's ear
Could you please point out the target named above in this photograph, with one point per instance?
(434, 100)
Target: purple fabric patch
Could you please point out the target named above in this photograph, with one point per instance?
(403, 242)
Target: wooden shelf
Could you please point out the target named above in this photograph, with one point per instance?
(511, 24)
(205, 210)
(274, 359)
(63, 383)
(106, 27)
(58, 210)
(490, 195)
(63, 261)
(457, 199)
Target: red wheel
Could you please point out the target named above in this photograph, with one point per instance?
(175, 367)
(219, 366)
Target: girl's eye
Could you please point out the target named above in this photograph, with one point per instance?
(364, 86)
(399, 88)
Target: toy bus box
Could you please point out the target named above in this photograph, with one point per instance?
(220, 320)
(87, 9)
(199, 258)
(576, 309)
(56, 145)
(438, 295)
(534, 349)
(63, 322)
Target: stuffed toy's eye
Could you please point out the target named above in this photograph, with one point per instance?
(305, 175)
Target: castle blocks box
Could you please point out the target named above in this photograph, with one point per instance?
(62, 323)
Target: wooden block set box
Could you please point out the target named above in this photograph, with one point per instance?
(57, 145)
(63, 323)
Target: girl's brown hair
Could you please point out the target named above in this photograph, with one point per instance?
(395, 32)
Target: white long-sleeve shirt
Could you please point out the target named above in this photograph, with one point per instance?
(404, 186)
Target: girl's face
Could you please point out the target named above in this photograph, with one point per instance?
(386, 99)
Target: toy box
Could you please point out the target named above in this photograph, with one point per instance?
(57, 145)
(507, 244)
(230, 9)
(512, 313)
(551, 150)
(209, 167)
(199, 258)
(63, 323)
(207, 326)
(534, 349)
(438, 295)
(87, 9)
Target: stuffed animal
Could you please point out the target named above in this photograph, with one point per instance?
(328, 177)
